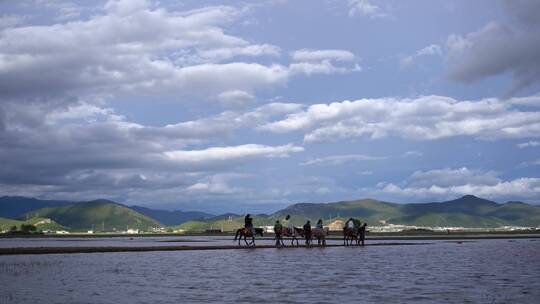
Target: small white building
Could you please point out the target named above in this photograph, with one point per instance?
(43, 222)
(268, 229)
(133, 231)
(159, 229)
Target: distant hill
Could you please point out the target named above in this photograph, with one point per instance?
(468, 211)
(368, 209)
(39, 222)
(171, 218)
(468, 204)
(100, 214)
(21, 208)
(224, 216)
(15, 207)
(518, 213)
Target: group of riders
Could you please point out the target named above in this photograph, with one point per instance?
(353, 230)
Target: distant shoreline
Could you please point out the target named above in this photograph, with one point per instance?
(333, 235)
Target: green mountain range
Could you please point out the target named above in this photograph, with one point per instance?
(171, 218)
(22, 208)
(468, 211)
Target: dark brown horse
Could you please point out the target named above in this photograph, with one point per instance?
(292, 234)
(350, 235)
(245, 233)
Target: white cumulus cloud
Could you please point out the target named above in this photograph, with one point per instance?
(318, 55)
(448, 183)
(422, 118)
(223, 154)
(341, 159)
(364, 8)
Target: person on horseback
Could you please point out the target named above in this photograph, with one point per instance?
(278, 229)
(349, 224)
(287, 223)
(307, 232)
(319, 233)
(248, 224)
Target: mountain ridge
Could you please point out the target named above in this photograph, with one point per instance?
(467, 211)
(101, 215)
(170, 218)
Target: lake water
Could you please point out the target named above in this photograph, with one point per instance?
(147, 241)
(483, 271)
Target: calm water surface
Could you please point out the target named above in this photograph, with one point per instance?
(484, 271)
(224, 240)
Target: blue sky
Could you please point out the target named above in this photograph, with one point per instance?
(251, 106)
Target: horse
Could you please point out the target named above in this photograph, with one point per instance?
(361, 234)
(296, 231)
(246, 232)
(320, 235)
(350, 234)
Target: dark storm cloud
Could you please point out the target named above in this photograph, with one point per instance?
(511, 46)
(82, 147)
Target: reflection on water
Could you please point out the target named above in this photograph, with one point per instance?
(225, 240)
(106, 241)
(486, 271)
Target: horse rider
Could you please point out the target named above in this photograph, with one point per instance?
(319, 225)
(278, 229)
(349, 224)
(248, 224)
(307, 232)
(287, 223)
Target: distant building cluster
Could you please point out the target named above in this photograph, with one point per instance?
(401, 228)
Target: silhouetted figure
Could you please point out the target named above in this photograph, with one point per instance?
(278, 229)
(362, 234)
(307, 232)
(248, 223)
(319, 225)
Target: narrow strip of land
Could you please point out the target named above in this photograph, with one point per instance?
(443, 237)
(68, 250)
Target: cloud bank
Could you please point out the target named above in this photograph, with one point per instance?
(422, 118)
